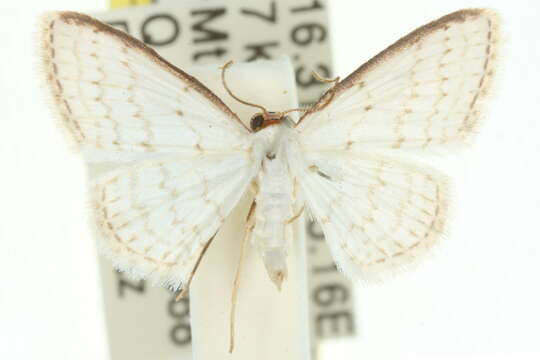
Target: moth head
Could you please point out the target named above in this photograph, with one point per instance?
(263, 120)
(257, 121)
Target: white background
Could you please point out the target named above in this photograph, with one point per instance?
(477, 298)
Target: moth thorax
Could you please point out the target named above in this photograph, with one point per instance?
(260, 121)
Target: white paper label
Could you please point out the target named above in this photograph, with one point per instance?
(214, 31)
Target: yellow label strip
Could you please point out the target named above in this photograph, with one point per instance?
(125, 3)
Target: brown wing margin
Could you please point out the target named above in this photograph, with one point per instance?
(405, 42)
(74, 18)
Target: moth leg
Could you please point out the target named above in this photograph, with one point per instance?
(234, 296)
(254, 188)
(330, 93)
(185, 288)
(291, 220)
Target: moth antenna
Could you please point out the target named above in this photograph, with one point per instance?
(330, 91)
(293, 110)
(223, 69)
(331, 94)
(323, 79)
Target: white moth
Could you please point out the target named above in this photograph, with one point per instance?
(187, 159)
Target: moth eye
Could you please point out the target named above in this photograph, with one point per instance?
(256, 122)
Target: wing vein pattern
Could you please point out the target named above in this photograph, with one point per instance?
(181, 158)
(423, 92)
(117, 98)
(381, 214)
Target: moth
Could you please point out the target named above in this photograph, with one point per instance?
(185, 159)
